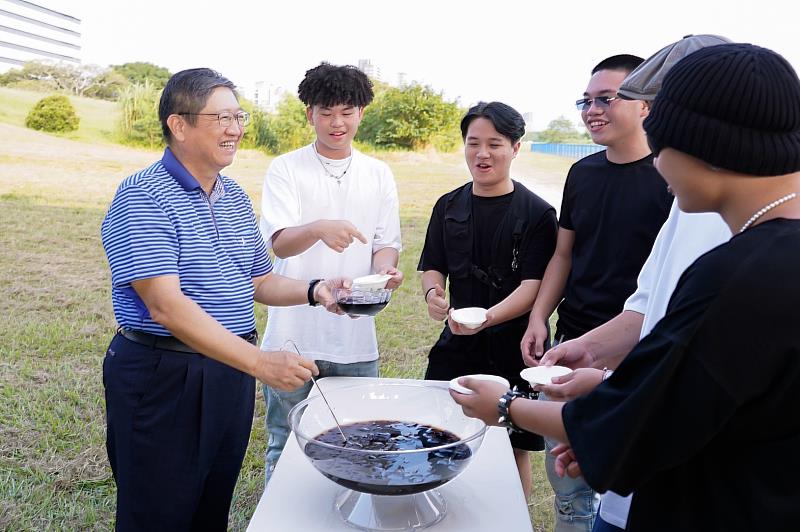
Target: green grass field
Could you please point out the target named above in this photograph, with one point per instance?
(57, 316)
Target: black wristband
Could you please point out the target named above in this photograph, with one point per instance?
(311, 285)
(428, 291)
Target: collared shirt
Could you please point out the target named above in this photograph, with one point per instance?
(161, 222)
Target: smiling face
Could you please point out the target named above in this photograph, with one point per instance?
(335, 128)
(489, 155)
(207, 147)
(621, 120)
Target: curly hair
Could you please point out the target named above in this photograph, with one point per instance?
(330, 85)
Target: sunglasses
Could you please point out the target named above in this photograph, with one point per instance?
(602, 102)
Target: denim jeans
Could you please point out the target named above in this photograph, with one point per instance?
(575, 503)
(279, 403)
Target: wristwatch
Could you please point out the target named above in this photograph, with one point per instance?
(503, 406)
(311, 285)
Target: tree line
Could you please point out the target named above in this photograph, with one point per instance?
(410, 117)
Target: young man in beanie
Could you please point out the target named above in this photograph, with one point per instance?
(327, 210)
(682, 239)
(614, 204)
(694, 415)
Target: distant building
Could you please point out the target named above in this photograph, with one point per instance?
(371, 70)
(45, 30)
(402, 79)
(265, 96)
(528, 117)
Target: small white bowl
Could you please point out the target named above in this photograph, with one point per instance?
(543, 374)
(470, 317)
(456, 387)
(376, 281)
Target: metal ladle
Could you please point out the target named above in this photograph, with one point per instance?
(320, 392)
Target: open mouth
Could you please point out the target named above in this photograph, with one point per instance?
(338, 134)
(227, 145)
(484, 167)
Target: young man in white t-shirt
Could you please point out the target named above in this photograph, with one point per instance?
(328, 210)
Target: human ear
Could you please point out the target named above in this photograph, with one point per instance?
(176, 125)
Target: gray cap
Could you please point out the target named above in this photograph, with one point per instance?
(645, 81)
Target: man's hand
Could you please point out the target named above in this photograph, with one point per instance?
(397, 276)
(566, 462)
(458, 329)
(284, 370)
(437, 305)
(483, 403)
(572, 353)
(576, 384)
(338, 234)
(323, 293)
(532, 344)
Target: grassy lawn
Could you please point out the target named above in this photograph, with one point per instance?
(58, 319)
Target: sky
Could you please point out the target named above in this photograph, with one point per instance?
(533, 55)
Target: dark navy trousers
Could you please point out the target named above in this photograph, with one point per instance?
(178, 426)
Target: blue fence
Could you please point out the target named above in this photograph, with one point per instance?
(573, 151)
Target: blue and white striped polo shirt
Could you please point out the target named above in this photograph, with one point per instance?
(161, 222)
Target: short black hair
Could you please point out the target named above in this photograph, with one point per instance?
(505, 119)
(624, 62)
(328, 85)
(187, 92)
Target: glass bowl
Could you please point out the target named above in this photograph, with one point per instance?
(388, 489)
(362, 302)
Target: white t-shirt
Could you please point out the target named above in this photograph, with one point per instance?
(681, 240)
(297, 191)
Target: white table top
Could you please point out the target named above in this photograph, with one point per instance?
(486, 496)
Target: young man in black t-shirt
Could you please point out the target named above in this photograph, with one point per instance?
(614, 203)
(492, 238)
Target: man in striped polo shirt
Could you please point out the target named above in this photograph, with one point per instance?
(187, 259)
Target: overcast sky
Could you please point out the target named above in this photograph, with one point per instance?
(533, 55)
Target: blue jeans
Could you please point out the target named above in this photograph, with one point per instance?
(279, 403)
(603, 526)
(575, 503)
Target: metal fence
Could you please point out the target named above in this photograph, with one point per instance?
(573, 151)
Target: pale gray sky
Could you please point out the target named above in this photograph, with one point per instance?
(533, 55)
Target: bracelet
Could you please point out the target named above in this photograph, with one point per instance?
(503, 406)
(428, 291)
(311, 285)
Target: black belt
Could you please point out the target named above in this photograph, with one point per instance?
(170, 343)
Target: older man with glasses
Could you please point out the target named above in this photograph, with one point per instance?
(187, 259)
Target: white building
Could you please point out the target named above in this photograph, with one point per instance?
(38, 30)
(367, 67)
(265, 96)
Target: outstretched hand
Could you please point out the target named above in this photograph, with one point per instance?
(532, 344)
(575, 384)
(572, 353)
(323, 293)
(339, 234)
(481, 404)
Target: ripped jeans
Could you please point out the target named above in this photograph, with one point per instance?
(575, 503)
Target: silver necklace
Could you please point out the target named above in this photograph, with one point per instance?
(339, 177)
(766, 208)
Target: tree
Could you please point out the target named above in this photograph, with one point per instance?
(139, 72)
(51, 76)
(560, 130)
(411, 117)
(286, 130)
(139, 124)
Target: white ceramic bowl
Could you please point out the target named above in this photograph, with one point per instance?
(470, 317)
(456, 387)
(375, 281)
(543, 374)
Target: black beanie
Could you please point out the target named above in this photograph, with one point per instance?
(735, 106)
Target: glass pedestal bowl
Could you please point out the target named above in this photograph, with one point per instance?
(430, 438)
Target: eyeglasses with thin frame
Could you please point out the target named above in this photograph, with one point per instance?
(226, 119)
(603, 102)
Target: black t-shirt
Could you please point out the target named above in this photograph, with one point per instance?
(536, 246)
(702, 419)
(616, 211)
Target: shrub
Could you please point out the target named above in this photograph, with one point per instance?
(139, 124)
(54, 114)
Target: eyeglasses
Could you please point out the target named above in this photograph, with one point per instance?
(226, 119)
(603, 102)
